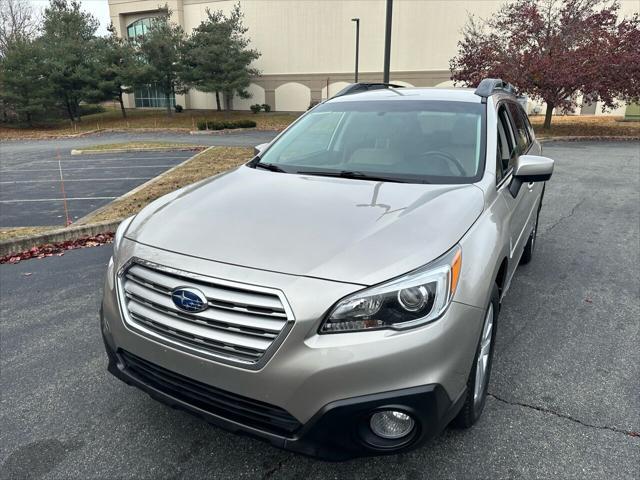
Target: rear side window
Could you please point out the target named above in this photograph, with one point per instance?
(521, 131)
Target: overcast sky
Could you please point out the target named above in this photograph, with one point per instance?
(97, 8)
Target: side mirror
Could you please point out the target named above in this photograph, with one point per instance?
(258, 149)
(530, 168)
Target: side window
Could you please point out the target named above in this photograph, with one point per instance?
(506, 151)
(520, 127)
(532, 134)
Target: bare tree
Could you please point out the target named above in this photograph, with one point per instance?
(17, 21)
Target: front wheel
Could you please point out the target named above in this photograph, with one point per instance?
(478, 381)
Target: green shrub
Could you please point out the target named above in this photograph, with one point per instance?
(225, 124)
(246, 124)
(90, 109)
(266, 107)
(256, 107)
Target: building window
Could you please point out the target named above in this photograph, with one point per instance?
(138, 28)
(151, 96)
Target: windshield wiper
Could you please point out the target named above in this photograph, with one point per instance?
(350, 174)
(269, 166)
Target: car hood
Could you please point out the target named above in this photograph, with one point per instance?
(346, 230)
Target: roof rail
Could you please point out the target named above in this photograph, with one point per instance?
(363, 87)
(489, 86)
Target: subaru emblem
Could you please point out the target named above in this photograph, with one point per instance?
(189, 299)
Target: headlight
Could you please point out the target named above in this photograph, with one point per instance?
(414, 299)
(120, 231)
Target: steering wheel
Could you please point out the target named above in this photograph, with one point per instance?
(448, 157)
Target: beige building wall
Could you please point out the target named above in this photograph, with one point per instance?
(307, 44)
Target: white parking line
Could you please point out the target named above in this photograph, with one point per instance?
(56, 199)
(90, 160)
(76, 180)
(84, 168)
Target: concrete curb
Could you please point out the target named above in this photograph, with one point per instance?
(186, 148)
(17, 245)
(140, 187)
(224, 131)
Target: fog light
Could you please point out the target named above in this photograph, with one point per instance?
(391, 424)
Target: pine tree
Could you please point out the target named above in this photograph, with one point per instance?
(162, 47)
(68, 35)
(217, 58)
(117, 69)
(25, 91)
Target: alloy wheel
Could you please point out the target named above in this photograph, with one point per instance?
(482, 363)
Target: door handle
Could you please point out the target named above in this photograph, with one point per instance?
(530, 186)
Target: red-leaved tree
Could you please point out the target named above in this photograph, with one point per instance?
(554, 50)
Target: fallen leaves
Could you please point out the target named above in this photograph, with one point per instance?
(58, 249)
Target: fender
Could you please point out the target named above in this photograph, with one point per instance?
(481, 259)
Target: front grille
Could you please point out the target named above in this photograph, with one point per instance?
(241, 322)
(245, 411)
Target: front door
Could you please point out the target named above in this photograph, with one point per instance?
(520, 207)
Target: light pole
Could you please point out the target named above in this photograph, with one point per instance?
(387, 43)
(357, 20)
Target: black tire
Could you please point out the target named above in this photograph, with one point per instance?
(472, 408)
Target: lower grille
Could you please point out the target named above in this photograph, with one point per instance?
(252, 413)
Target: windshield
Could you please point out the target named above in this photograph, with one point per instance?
(402, 140)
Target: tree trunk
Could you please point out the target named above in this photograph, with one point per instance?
(547, 116)
(228, 101)
(69, 110)
(76, 110)
(218, 100)
(168, 99)
(124, 112)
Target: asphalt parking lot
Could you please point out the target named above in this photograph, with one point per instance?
(30, 187)
(563, 398)
(31, 194)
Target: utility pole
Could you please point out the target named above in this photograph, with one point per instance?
(357, 20)
(387, 42)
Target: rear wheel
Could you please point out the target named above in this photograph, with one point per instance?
(478, 381)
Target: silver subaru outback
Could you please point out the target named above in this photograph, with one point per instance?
(338, 295)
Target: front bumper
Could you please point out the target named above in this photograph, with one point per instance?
(324, 382)
(338, 431)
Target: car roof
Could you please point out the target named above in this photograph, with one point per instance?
(411, 93)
